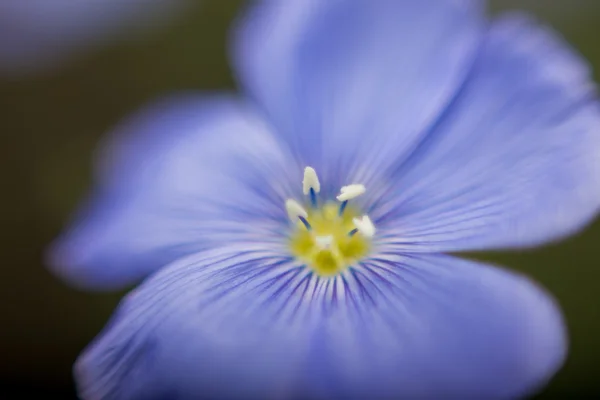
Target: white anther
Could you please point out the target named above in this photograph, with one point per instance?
(295, 210)
(350, 192)
(324, 241)
(311, 181)
(364, 226)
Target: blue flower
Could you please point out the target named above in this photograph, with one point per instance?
(448, 132)
(36, 35)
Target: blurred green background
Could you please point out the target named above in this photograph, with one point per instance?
(50, 125)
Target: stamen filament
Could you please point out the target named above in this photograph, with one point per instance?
(305, 222)
(313, 198)
(343, 207)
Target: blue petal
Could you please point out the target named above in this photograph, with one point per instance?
(180, 176)
(515, 160)
(39, 34)
(352, 85)
(436, 327)
(233, 322)
(245, 322)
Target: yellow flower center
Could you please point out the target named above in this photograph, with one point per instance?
(332, 237)
(328, 246)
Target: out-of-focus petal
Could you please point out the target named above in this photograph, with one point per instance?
(351, 85)
(178, 177)
(516, 159)
(435, 327)
(228, 323)
(38, 34)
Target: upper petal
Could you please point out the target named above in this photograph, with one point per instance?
(351, 85)
(430, 326)
(178, 177)
(515, 161)
(247, 322)
(39, 34)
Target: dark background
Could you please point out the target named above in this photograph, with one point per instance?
(50, 125)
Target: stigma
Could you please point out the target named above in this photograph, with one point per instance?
(328, 236)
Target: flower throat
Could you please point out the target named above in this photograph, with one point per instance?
(332, 236)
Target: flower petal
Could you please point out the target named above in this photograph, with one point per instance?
(39, 34)
(430, 326)
(352, 85)
(179, 177)
(246, 322)
(227, 323)
(516, 159)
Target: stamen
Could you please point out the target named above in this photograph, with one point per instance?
(350, 192)
(295, 210)
(364, 226)
(347, 193)
(311, 184)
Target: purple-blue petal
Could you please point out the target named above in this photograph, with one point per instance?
(514, 162)
(247, 322)
(353, 85)
(232, 322)
(180, 176)
(39, 34)
(426, 326)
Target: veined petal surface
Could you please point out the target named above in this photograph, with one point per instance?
(232, 322)
(426, 326)
(515, 160)
(248, 322)
(178, 177)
